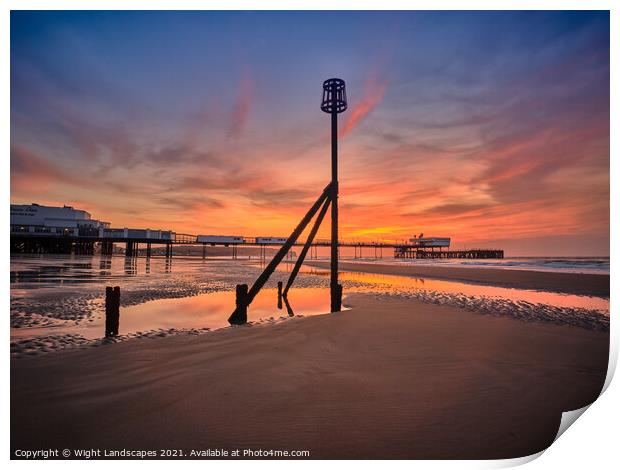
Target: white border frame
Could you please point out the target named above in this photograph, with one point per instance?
(591, 443)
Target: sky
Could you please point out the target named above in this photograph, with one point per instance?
(488, 127)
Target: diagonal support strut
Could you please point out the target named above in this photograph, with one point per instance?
(304, 251)
(239, 316)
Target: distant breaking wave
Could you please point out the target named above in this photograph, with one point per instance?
(556, 264)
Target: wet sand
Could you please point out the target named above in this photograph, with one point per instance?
(391, 378)
(570, 283)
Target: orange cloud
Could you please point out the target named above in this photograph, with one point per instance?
(373, 94)
(30, 171)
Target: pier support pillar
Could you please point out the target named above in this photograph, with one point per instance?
(107, 248)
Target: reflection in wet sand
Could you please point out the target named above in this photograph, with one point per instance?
(212, 310)
(201, 311)
(393, 283)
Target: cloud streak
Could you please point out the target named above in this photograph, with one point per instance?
(373, 94)
(243, 103)
(30, 171)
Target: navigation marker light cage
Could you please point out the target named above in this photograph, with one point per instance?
(334, 96)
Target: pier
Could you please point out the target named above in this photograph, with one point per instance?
(31, 241)
(413, 252)
(40, 229)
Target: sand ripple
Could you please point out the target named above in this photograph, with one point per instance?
(41, 345)
(521, 310)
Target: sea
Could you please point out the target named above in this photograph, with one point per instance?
(584, 265)
(57, 301)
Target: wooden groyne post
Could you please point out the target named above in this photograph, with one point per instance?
(112, 310)
(240, 315)
(280, 295)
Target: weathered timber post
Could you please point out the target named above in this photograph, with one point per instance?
(339, 296)
(240, 315)
(334, 102)
(280, 295)
(148, 250)
(112, 310)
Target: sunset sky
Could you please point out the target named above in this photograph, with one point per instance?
(488, 127)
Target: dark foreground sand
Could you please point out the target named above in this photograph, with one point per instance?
(570, 283)
(387, 379)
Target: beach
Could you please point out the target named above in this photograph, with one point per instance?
(566, 282)
(388, 378)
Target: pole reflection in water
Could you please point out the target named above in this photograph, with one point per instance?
(131, 267)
